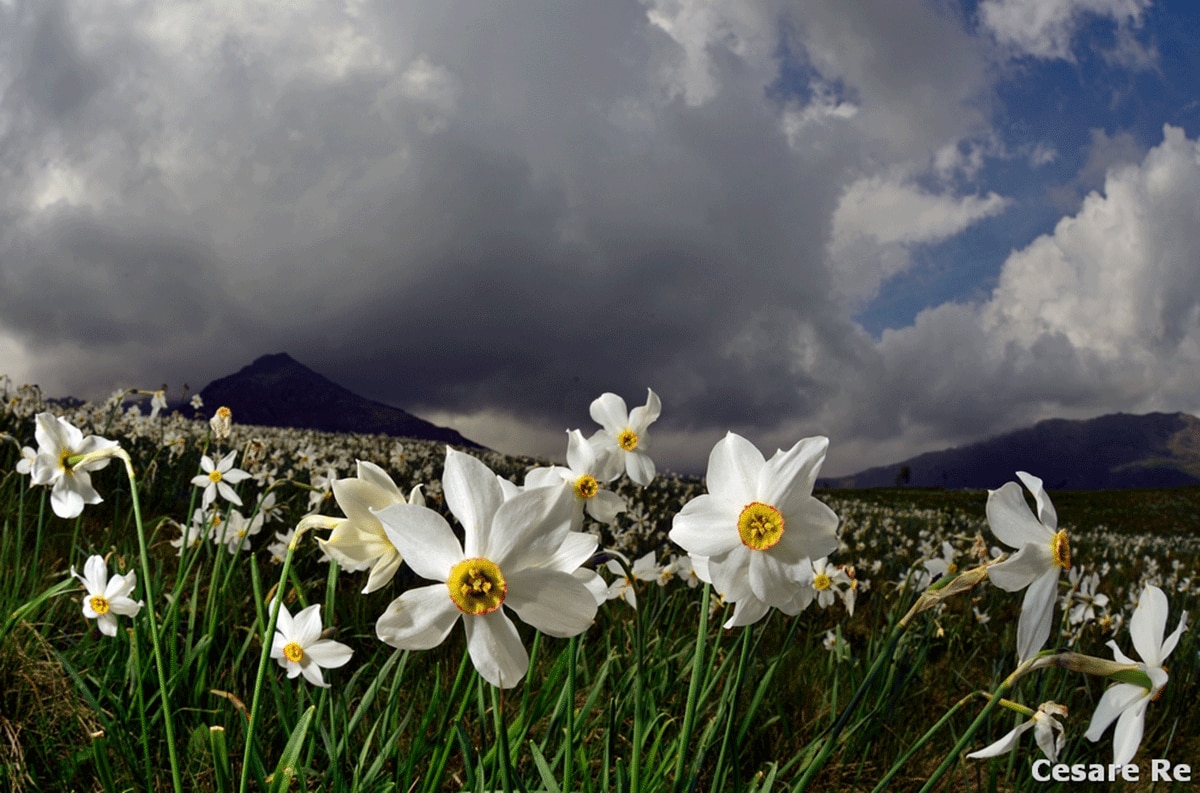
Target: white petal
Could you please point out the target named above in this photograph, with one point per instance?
(609, 411)
(306, 625)
(771, 579)
(328, 653)
(733, 470)
(747, 611)
(65, 500)
(1022, 568)
(528, 528)
(472, 494)
(1010, 519)
(787, 479)
(581, 457)
(553, 602)
(1115, 701)
(706, 526)
(382, 572)
(423, 538)
(1148, 624)
(1037, 612)
(642, 417)
(420, 619)
(1045, 509)
(1003, 745)
(1128, 734)
(1169, 644)
(95, 575)
(496, 649)
(639, 467)
(374, 475)
(605, 506)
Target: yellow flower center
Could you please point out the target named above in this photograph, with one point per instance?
(224, 412)
(293, 652)
(1061, 549)
(951, 568)
(63, 457)
(760, 526)
(821, 582)
(476, 586)
(586, 486)
(627, 439)
(215, 476)
(99, 604)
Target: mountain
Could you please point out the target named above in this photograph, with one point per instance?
(1113, 452)
(278, 391)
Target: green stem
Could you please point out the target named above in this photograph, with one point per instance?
(689, 713)
(731, 713)
(568, 759)
(502, 738)
(155, 641)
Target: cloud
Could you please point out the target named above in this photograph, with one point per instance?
(1046, 28)
(1101, 315)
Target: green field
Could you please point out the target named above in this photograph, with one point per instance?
(656, 698)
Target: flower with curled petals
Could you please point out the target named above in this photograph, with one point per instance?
(518, 554)
(1127, 702)
(622, 443)
(1042, 552)
(359, 542)
(755, 531)
(299, 648)
(1044, 724)
(58, 462)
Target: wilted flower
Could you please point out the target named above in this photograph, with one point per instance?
(107, 597)
(1127, 702)
(1042, 552)
(221, 422)
(1044, 726)
(299, 648)
(60, 445)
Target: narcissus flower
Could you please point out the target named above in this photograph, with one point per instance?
(1127, 702)
(759, 526)
(514, 555)
(622, 443)
(1044, 726)
(217, 477)
(359, 542)
(299, 648)
(60, 445)
(582, 477)
(1042, 552)
(107, 597)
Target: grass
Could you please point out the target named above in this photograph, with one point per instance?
(660, 698)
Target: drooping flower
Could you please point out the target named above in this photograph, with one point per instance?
(513, 556)
(582, 476)
(60, 444)
(1127, 702)
(299, 648)
(107, 597)
(623, 442)
(1042, 552)
(221, 423)
(1044, 725)
(360, 542)
(217, 477)
(755, 531)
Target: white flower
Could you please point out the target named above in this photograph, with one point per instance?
(28, 458)
(1043, 724)
(107, 597)
(216, 479)
(1126, 700)
(359, 542)
(236, 532)
(758, 526)
(623, 443)
(644, 569)
(299, 648)
(582, 477)
(1087, 600)
(1042, 553)
(517, 553)
(58, 442)
(158, 402)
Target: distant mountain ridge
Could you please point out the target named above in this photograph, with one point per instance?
(1114, 452)
(278, 391)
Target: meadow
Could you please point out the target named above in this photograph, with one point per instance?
(896, 661)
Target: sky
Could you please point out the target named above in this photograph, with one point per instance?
(902, 224)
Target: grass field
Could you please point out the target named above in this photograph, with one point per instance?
(848, 694)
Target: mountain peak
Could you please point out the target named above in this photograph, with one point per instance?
(276, 390)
